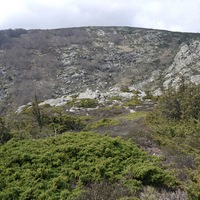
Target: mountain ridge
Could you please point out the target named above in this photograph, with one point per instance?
(53, 63)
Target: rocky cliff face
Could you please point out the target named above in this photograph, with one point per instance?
(186, 63)
(52, 63)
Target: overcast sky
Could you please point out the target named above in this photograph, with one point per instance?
(175, 15)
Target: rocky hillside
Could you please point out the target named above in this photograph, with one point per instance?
(53, 63)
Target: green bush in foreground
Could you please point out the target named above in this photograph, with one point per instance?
(59, 168)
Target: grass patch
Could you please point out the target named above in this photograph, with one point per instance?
(87, 103)
(83, 103)
(113, 98)
(103, 122)
(133, 102)
(134, 116)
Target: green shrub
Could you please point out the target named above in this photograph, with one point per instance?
(133, 102)
(87, 103)
(65, 123)
(175, 127)
(113, 98)
(84, 103)
(124, 89)
(180, 104)
(4, 132)
(53, 122)
(136, 92)
(194, 186)
(61, 166)
(149, 95)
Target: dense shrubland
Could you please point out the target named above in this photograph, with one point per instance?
(60, 167)
(48, 153)
(176, 128)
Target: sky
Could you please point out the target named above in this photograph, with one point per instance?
(173, 15)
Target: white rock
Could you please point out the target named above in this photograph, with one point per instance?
(195, 79)
(57, 102)
(126, 95)
(20, 109)
(89, 94)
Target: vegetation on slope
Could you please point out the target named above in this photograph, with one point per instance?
(81, 57)
(50, 155)
(59, 167)
(176, 128)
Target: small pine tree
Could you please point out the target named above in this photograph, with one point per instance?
(36, 112)
(4, 132)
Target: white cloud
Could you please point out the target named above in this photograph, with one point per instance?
(177, 15)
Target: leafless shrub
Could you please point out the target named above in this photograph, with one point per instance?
(178, 158)
(14, 33)
(150, 193)
(105, 191)
(116, 38)
(35, 40)
(14, 58)
(5, 41)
